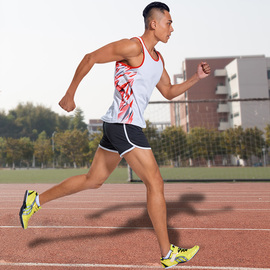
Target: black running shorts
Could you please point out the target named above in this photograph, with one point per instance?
(122, 138)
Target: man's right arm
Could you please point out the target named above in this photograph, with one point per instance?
(120, 50)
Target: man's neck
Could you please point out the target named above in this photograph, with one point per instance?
(149, 40)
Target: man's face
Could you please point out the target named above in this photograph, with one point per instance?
(164, 27)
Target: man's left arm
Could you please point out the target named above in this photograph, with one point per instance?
(170, 91)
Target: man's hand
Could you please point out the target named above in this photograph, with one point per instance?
(67, 103)
(203, 70)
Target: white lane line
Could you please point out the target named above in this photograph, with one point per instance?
(125, 266)
(143, 201)
(166, 194)
(134, 228)
(138, 208)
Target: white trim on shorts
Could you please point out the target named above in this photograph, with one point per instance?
(134, 145)
(127, 151)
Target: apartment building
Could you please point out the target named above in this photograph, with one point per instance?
(95, 126)
(240, 77)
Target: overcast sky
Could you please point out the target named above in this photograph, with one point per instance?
(43, 41)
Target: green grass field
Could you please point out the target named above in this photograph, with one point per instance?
(53, 175)
(120, 174)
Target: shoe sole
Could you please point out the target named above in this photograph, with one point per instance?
(23, 207)
(182, 262)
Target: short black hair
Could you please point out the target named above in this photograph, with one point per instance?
(154, 5)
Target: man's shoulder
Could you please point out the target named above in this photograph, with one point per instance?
(131, 45)
(134, 42)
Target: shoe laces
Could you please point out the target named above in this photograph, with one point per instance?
(182, 249)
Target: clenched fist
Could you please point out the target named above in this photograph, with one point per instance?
(203, 70)
(67, 103)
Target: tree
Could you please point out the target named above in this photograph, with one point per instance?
(27, 150)
(254, 142)
(244, 143)
(74, 145)
(2, 150)
(43, 149)
(267, 135)
(13, 151)
(77, 121)
(175, 141)
(62, 122)
(234, 141)
(204, 144)
(93, 144)
(153, 137)
(8, 128)
(29, 120)
(29, 117)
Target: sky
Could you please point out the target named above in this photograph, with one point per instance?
(43, 41)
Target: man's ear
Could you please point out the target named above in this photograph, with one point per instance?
(153, 25)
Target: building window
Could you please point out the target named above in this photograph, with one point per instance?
(236, 114)
(233, 77)
(235, 95)
(187, 126)
(268, 74)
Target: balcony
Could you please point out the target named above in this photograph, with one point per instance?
(223, 126)
(221, 90)
(223, 108)
(220, 73)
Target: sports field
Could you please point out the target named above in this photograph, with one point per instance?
(120, 175)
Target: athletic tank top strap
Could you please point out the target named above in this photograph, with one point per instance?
(146, 52)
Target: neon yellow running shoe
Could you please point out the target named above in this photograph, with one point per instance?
(179, 255)
(29, 207)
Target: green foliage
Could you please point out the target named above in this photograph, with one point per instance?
(29, 121)
(154, 138)
(2, 150)
(254, 142)
(27, 150)
(43, 149)
(175, 140)
(267, 134)
(16, 150)
(93, 144)
(74, 146)
(12, 151)
(77, 121)
(244, 143)
(61, 141)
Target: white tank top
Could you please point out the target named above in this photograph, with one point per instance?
(133, 89)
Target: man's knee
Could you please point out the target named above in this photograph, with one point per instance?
(93, 183)
(155, 184)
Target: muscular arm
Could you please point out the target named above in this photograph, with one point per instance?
(170, 91)
(120, 50)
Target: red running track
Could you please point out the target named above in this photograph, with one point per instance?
(109, 228)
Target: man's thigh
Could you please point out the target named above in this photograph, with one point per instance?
(143, 163)
(103, 165)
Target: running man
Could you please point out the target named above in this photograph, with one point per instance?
(139, 69)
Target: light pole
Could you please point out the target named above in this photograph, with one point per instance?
(53, 147)
(264, 158)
